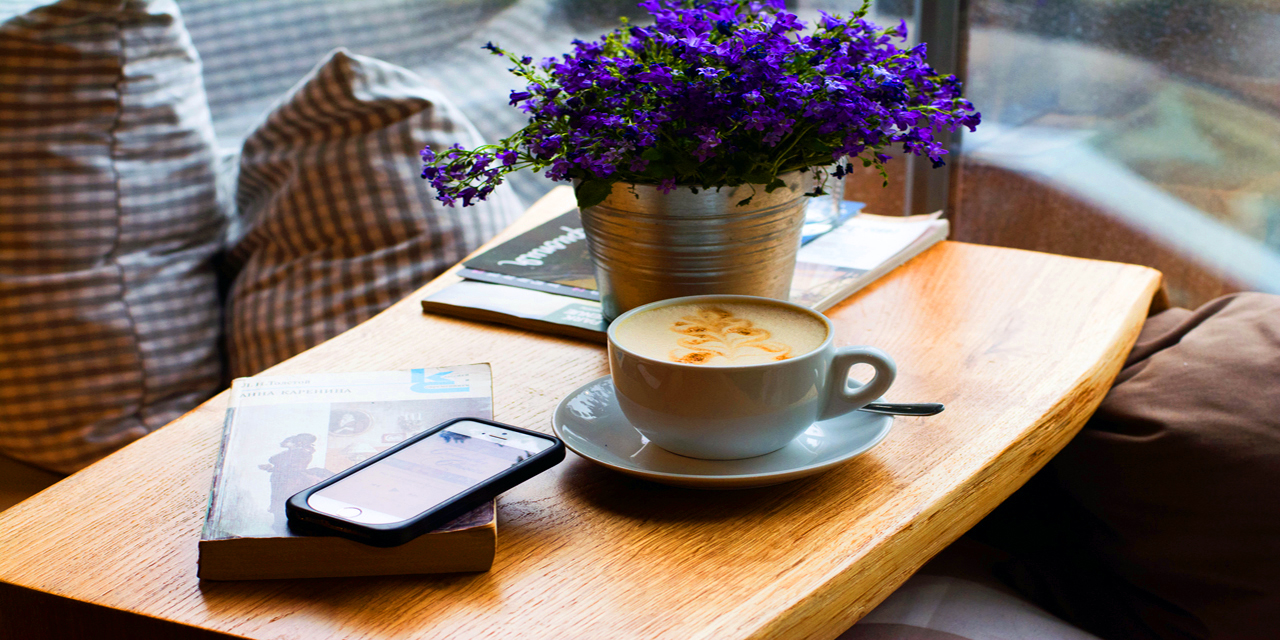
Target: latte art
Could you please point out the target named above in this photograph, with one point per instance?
(728, 334)
(712, 332)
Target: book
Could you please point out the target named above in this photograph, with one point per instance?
(553, 256)
(831, 267)
(285, 433)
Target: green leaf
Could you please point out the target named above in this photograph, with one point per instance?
(685, 164)
(652, 154)
(775, 185)
(659, 171)
(592, 192)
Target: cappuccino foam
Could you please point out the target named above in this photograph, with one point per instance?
(717, 334)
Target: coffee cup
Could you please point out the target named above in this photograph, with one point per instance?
(724, 377)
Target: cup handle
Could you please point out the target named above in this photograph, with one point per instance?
(839, 399)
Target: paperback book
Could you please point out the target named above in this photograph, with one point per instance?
(559, 296)
(285, 433)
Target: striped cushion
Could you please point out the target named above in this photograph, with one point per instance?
(336, 222)
(109, 317)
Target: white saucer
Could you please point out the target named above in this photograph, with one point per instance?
(592, 426)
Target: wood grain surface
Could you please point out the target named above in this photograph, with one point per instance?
(1020, 346)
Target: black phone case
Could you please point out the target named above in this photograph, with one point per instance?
(304, 519)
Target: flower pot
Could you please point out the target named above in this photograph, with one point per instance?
(648, 245)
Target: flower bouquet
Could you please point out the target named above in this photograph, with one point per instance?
(693, 140)
(717, 93)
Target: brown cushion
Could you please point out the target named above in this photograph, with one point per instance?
(1162, 518)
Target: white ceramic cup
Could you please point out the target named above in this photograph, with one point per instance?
(726, 413)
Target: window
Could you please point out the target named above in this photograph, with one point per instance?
(1144, 131)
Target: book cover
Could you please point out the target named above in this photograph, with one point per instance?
(284, 433)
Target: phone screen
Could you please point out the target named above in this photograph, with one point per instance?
(426, 473)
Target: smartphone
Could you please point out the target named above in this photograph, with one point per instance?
(424, 482)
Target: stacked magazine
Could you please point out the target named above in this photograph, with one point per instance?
(543, 279)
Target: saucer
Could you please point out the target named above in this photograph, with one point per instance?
(592, 426)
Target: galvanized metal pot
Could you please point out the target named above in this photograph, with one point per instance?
(649, 246)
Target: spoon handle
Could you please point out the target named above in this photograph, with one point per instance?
(903, 408)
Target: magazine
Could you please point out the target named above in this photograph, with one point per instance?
(285, 433)
(830, 268)
(553, 256)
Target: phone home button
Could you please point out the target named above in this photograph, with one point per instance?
(350, 512)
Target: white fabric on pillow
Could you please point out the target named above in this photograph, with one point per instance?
(109, 315)
(335, 221)
(932, 607)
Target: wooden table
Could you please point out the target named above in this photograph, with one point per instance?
(1020, 346)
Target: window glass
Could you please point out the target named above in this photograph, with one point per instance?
(1139, 130)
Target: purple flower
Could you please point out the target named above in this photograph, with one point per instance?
(656, 75)
(716, 93)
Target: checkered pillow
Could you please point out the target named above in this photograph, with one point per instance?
(336, 222)
(109, 317)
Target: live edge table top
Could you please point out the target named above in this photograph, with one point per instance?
(1020, 346)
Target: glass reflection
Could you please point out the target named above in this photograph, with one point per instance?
(1161, 115)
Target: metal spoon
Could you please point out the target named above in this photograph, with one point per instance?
(904, 408)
